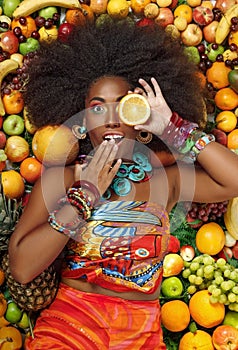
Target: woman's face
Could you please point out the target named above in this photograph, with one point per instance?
(102, 120)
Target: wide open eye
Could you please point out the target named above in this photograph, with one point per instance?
(98, 109)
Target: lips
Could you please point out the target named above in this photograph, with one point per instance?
(113, 136)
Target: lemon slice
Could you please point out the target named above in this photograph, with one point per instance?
(134, 109)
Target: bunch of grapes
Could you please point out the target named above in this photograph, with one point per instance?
(208, 211)
(218, 276)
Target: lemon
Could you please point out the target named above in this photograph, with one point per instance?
(48, 35)
(118, 8)
(134, 109)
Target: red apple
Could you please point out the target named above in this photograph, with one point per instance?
(192, 35)
(235, 250)
(225, 253)
(187, 252)
(202, 15)
(173, 4)
(220, 136)
(144, 22)
(64, 31)
(9, 42)
(209, 31)
(17, 148)
(3, 139)
(164, 17)
(225, 337)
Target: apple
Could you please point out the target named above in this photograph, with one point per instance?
(172, 287)
(213, 50)
(233, 79)
(187, 252)
(173, 4)
(13, 125)
(30, 45)
(209, 32)
(230, 241)
(202, 15)
(164, 3)
(3, 139)
(164, 17)
(1, 121)
(231, 319)
(9, 42)
(13, 313)
(47, 12)
(192, 53)
(192, 35)
(220, 136)
(225, 253)
(173, 265)
(9, 6)
(225, 337)
(235, 250)
(173, 31)
(144, 22)
(17, 148)
(64, 31)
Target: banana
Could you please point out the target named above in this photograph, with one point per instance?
(231, 217)
(27, 7)
(223, 28)
(6, 67)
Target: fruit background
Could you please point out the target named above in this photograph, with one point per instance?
(199, 294)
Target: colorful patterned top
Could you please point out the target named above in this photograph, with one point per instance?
(121, 247)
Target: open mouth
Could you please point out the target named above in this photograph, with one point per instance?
(116, 137)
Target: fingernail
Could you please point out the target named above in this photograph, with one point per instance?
(104, 142)
(111, 141)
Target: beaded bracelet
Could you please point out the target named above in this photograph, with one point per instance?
(83, 184)
(185, 137)
(62, 228)
(81, 201)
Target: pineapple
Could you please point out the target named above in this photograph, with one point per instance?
(38, 293)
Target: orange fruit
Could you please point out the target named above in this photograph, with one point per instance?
(79, 17)
(26, 28)
(31, 169)
(226, 99)
(13, 338)
(13, 103)
(226, 121)
(207, 3)
(13, 184)
(173, 264)
(49, 149)
(118, 8)
(199, 340)
(3, 305)
(232, 139)
(185, 11)
(217, 75)
(2, 277)
(175, 315)
(3, 322)
(210, 238)
(138, 6)
(205, 313)
(134, 109)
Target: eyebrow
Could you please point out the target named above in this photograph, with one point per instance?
(103, 100)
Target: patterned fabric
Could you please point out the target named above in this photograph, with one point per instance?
(121, 247)
(86, 321)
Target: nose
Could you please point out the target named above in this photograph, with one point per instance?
(112, 118)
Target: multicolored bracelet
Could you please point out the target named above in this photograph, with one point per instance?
(64, 228)
(185, 137)
(83, 184)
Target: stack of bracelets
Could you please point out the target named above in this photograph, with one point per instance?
(185, 137)
(77, 197)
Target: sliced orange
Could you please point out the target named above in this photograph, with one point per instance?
(134, 109)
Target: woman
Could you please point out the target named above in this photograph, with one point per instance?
(112, 226)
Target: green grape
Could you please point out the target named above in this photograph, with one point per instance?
(216, 292)
(218, 273)
(234, 276)
(209, 269)
(225, 286)
(222, 299)
(235, 289)
(186, 263)
(186, 273)
(218, 280)
(211, 288)
(194, 266)
(208, 260)
(198, 281)
(227, 273)
(202, 286)
(213, 300)
(198, 259)
(209, 276)
(191, 289)
(221, 262)
(200, 272)
(231, 297)
(192, 278)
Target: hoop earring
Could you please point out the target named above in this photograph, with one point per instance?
(79, 132)
(144, 137)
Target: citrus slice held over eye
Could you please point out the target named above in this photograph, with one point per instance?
(134, 109)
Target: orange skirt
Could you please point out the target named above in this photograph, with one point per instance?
(84, 321)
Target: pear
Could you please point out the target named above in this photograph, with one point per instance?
(233, 79)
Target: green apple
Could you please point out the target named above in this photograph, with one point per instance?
(9, 7)
(30, 45)
(13, 313)
(48, 12)
(192, 53)
(13, 125)
(231, 319)
(172, 287)
(233, 79)
(213, 52)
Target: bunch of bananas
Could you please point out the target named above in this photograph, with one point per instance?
(231, 217)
